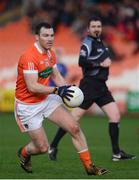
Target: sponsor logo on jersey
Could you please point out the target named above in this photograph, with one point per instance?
(83, 53)
(46, 72)
(99, 50)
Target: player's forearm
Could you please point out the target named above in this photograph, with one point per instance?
(39, 88)
(58, 79)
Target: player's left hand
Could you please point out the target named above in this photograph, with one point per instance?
(64, 92)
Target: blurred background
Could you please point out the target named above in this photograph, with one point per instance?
(69, 18)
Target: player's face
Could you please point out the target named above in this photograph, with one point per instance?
(46, 38)
(95, 28)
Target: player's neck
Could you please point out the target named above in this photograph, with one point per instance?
(41, 49)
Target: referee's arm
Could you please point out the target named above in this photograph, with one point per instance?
(102, 56)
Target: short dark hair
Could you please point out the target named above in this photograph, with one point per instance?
(40, 25)
(93, 18)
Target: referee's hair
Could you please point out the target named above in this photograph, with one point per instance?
(93, 18)
(40, 25)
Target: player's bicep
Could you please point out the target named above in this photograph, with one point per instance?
(30, 71)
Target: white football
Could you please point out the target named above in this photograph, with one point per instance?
(77, 98)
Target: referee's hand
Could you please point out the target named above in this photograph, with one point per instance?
(106, 63)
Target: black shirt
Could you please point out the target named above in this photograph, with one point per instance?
(92, 53)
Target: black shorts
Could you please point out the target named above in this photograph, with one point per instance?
(95, 91)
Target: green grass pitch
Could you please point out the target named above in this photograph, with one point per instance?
(68, 164)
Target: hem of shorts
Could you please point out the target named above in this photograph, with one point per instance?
(54, 109)
(106, 103)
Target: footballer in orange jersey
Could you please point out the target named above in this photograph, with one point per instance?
(37, 62)
(35, 100)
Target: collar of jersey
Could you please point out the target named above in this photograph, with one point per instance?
(38, 48)
(95, 38)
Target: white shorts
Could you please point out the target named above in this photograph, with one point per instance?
(30, 116)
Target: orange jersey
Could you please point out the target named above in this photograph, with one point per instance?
(34, 61)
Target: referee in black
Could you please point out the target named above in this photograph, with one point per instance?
(95, 62)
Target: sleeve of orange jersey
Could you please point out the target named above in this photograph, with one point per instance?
(29, 64)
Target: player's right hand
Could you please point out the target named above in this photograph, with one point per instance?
(64, 92)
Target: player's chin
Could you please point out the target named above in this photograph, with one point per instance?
(49, 46)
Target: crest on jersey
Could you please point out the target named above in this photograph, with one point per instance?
(46, 62)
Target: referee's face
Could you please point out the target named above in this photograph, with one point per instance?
(95, 28)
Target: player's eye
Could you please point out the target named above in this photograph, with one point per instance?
(45, 35)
